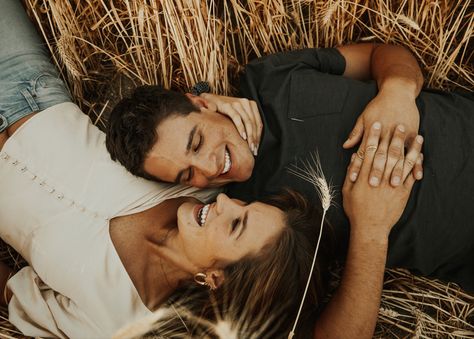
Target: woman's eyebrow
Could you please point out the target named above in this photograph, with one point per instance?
(244, 224)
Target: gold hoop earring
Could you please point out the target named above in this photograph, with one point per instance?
(200, 278)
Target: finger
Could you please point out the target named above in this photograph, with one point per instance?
(236, 118)
(409, 181)
(395, 156)
(356, 134)
(348, 182)
(258, 122)
(370, 149)
(418, 169)
(412, 163)
(356, 163)
(250, 123)
(380, 160)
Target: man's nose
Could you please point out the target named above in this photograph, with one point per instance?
(207, 164)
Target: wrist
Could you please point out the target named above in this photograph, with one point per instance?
(402, 87)
(374, 235)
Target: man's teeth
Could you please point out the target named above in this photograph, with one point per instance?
(228, 162)
(203, 214)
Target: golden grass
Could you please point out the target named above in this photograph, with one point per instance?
(177, 43)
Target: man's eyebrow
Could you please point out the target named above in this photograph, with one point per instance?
(244, 224)
(190, 139)
(188, 148)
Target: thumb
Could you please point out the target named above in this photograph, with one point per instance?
(356, 135)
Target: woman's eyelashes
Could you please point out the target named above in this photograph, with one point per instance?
(235, 223)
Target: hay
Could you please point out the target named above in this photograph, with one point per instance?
(99, 45)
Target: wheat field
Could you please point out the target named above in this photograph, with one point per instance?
(105, 47)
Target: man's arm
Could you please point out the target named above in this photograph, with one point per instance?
(372, 211)
(399, 80)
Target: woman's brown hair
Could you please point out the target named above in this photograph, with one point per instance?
(261, 294)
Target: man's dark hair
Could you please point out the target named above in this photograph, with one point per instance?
(131, 131)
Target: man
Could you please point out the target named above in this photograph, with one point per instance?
(307, 105)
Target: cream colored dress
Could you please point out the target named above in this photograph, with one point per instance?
(58, 191)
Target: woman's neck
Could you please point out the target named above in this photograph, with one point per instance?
(146, 245)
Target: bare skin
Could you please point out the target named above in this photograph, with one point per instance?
(372, 212)
(154, 279)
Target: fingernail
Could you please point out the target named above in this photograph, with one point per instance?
(396, 181)
(374, 181)
(419, 175)
(377, 125)
(401, 128)
(419, 139)
(353, 176)
(244, 136)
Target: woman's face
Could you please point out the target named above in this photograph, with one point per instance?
(227, 230)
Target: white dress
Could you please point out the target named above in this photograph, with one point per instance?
(58, 191)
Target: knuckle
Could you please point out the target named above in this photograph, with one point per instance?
(394, 151)
(409, 162)
(376, 172)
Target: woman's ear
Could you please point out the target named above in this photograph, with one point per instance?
(214, 278)
(198, 101)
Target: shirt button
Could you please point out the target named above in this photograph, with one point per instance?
(60, 196)
(5, 156)
(15, 162)
(23, 169)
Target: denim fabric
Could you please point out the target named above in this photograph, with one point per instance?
(29, 82)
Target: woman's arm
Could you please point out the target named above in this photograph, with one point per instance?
(372, 211)
(399, 80)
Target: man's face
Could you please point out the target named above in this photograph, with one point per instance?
(202, 149)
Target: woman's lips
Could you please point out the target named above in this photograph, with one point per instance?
(196, 210)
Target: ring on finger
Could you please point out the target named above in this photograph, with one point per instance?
(371, 148)
(360, 154)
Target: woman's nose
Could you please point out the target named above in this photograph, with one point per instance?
(223, 203)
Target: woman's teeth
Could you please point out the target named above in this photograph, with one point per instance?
(228, 162)
(202, 215)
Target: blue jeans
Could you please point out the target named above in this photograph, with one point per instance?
(29, 81)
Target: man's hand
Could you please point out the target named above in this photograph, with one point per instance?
(376, 209)
(391, 108)
(243, 112)
(399, 80)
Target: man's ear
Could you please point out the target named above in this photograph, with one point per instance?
(214, 278)
(198, 101)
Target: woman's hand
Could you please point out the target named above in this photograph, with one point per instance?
(243, 112)
(391, 108)
(374, 210)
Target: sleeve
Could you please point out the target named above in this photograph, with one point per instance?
(38, 311)
(325, 60)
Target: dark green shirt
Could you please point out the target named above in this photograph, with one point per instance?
(308, 106)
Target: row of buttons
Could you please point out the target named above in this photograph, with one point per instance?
(60, 196)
